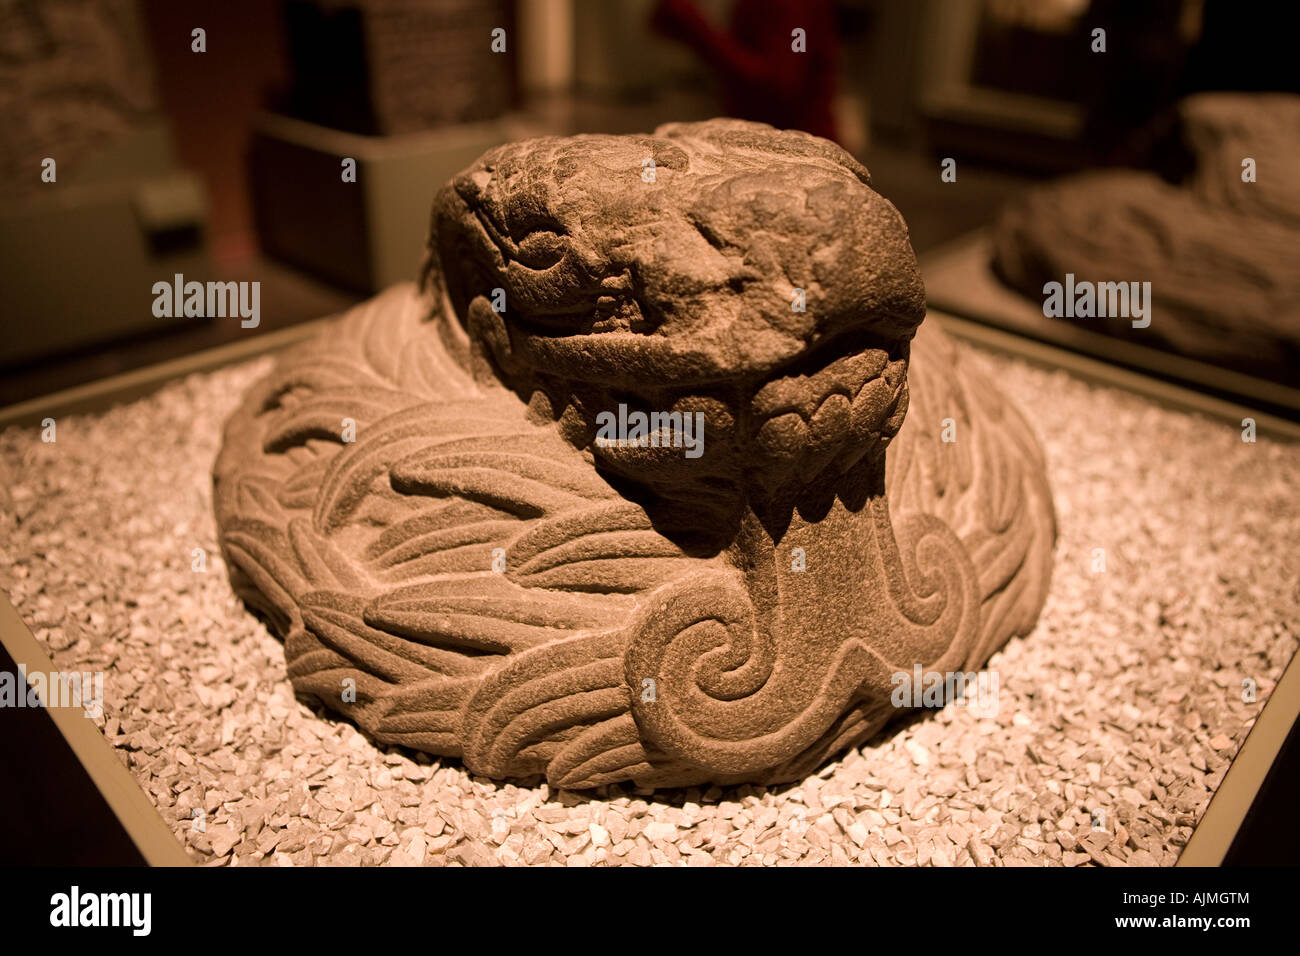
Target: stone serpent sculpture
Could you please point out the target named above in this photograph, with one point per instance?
(475, 575)
(1218, 250)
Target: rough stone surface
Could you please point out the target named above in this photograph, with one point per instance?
(418, 502)
(74, 76)
(1220, 253)
(1127, 697)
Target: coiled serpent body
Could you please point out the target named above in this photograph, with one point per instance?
(475, 576)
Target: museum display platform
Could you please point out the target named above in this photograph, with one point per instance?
(1118, 739)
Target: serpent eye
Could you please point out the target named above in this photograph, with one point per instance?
(541, 249)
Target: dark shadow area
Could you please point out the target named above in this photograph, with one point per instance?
(56, 817)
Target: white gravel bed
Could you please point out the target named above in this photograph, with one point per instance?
(1123, 708)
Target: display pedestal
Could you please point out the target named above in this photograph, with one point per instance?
(361, 234)
(120, 223)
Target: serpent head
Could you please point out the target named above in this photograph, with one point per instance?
(730, 269)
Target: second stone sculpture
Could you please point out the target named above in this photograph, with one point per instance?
(434, 505)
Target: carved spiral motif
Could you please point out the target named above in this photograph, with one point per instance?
(731, 695)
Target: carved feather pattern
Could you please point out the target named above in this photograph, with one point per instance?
(374, 558)
(989, 485)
